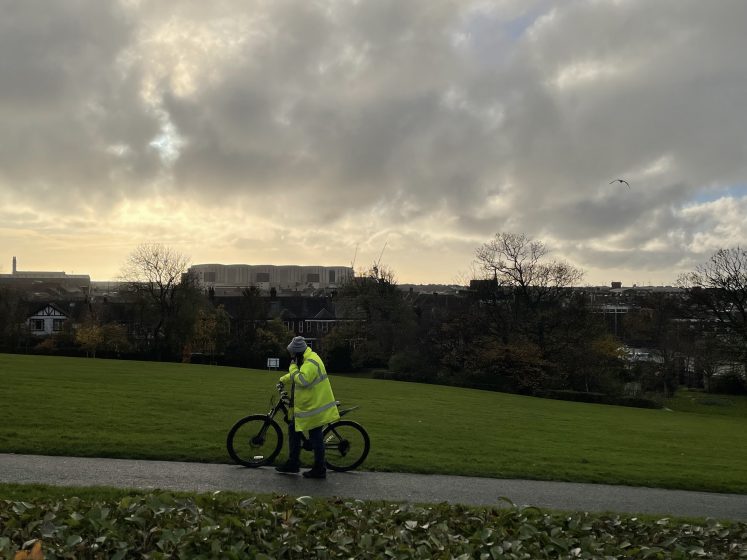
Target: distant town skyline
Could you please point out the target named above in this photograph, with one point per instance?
(283, 132)
(462, 280)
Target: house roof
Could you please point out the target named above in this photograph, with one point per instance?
(324, 314)
(284, 308)
(45, 289)
(35, 309)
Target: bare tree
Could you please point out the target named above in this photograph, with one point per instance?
(153, 273)
(527, 285)
(516, 261)
(720, 287)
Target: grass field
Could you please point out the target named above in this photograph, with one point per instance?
(87, 407)
(699, 402)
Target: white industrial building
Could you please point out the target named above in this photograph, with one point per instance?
(267, 276)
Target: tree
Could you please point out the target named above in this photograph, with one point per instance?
(518, 367)
(153, 273)
(270, 341)
(115, 338)
(13, 332)
(388, 323)
(518, 262)
(707, 356)
(596, 366)
(534, 319)
(719, 287)
(655, 324)
(527, 285)
(211, 329)
(337, 350)
(90, 336)
(250, 314)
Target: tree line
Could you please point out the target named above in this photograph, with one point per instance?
(522, 327)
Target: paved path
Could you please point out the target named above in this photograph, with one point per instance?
(203, 477)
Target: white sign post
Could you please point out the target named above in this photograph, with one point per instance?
(273, 363)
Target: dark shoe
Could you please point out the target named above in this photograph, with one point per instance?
(287, 468)
(315, 472)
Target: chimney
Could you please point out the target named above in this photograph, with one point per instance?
(14, 265)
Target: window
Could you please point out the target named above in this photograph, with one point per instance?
(210, 277)
(37, 324)
(331, 276)
(312, 278)
(263, 277)
(57, 324)
(300, 327)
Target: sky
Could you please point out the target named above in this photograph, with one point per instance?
(406, 132)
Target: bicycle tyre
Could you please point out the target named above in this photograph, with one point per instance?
(338, 446)
(253, 448)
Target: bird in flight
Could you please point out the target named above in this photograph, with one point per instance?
(620, 181)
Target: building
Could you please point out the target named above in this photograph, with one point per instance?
(283, 278)
(47, 319)
(47, 285)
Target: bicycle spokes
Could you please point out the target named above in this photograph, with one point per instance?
(254, 441)
(335, 442)
(346, 445)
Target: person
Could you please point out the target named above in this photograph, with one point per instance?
(312, 405)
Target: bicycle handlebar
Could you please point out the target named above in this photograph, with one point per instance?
(282, 392)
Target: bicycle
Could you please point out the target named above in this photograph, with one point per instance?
(256, 440)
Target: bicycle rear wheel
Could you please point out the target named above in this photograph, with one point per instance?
(346, 445)
(254, 441)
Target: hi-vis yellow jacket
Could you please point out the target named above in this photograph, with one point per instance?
(313, 402)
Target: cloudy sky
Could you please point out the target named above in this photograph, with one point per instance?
(313, 131)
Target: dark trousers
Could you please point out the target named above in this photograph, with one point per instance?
(294, 445)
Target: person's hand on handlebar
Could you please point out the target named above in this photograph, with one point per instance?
(280, 386)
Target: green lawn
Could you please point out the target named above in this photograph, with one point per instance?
(88, 407)
(700, 402)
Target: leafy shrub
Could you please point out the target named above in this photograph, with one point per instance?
(338, 358)
(517, 368)
(413, 377)
(163, 526)
(729, 384)
(412, 364)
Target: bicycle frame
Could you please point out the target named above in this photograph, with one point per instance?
(282, 405)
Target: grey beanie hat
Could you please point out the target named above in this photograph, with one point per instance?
(297, 345)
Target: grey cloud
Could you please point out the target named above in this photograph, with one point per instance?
(389, 110)
(679, 101)
(638, 214)
(663, 260)
(358, 140)
(385, 135)
(64, 103)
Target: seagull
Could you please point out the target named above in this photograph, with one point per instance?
(620, 181)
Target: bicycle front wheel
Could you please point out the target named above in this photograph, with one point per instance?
(346, 445)
(254, 441)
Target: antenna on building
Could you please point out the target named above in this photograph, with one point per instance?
(14, 265)
(376, 264)
(352, 264)
(382, 253)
